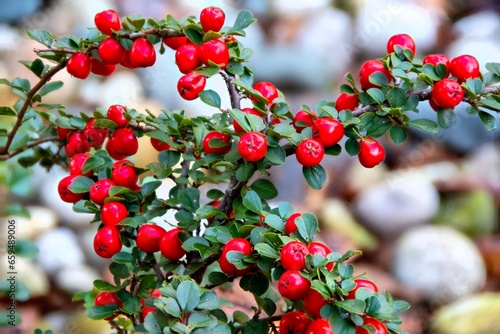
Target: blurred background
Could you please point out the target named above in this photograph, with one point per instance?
(426, 220)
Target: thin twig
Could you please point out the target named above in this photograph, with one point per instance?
(34, 143)
(162, 33)
(233, 91)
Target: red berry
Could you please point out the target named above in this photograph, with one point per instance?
(107, 21)
(63, 133)
(293, 255)
(124, 175)
(238, 245)
(146, 310)
(99, 191)
(171, 245)
(447, 93)
(303, 119)
(79, 65)
(250, 111)
(122, 143)
(63, 188)
(211, 147)
(292, 285)
(126, 61)
(464, 67)
(175, 42)
(267, 89)
(290, 226)
(310, 152)
(212, 18)
(187, 58)
(328, 131)
(361, 283)
(115, 114)
(215, 51)
(142, 53)
(159, 145)
(95, 136)
(252, 146)
(190, 85)
(313, 302)
(435, 59)
(111, 51)
(112, 213)
(368, 68)
(100, 68)
(403, 40)
(76, 164)
(319, 326)
(377, 326)
(347, 102)
(77, 143)
(107, 242)
(149, 237)
(107, 298)
(371, 153)
(294, 323)
(433, 105)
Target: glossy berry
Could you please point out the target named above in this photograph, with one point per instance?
(79, 65)
(290, 226)
(142, 53)
(171, 245)
(310, 152)
(149, 237)
(371, 153)
(111, 51)
(403, 40)
(292, 285)
(99, 68)
(313, 302)
(65, 193)
(122, 143)
(252, 146)
(216, 142)
(124, 174)
(76, 163)
(347, 101)
(303, 119)
(250, 111)
(212, 18)
(361, 283)
(175, 42)
(107, 21)
(76, 143)
(319, 326)
(447, 93)
(159, 145)
(319, 248)
(464, 67)
(435, 59)
(294, 322)
(328, 131)
(126, 61)
(115, 114)
(187, 58)
(375, 325)
(293, 255)
(215, 51)
(190, 85)
(94, 135)
(107, 242)
(99, 191)
(113, 213)
(268, 90)
(63, 133)
(368, 68)
(106, 298)
(238, 245)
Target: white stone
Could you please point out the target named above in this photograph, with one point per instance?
(41, 220)
(440, 262)
(73, 279)
(28, 273)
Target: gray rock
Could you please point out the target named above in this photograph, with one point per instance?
(73, 279)
(440, 262)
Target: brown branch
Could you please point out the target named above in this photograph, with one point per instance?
(162, 33)
(27, 103)
(233, 91)
(234, 188)
(35, 143)
(55, 51)
(142, 128)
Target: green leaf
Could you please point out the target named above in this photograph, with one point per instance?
(396, 97)
(446, 118)
(50, 87)
(352, 305)
(101, 312)
(307, 224)
(275, 222)
(378, 78)
(244, 172)
(119, 270)
(20, 140)
(258, 283)
(81, 184)
(149, 187)
(488, 102)
(105, 124)
(211, 98)
(169, 306)
(169, 159)
(235, 68)
(216, 277)
(256, 326)
(252, 201)
(379, 126)
(398, 134)
(41, 36)
(488, 120)
(276, 155)
(190, 199)
(376, 94)
(194, 36)
(105, 286)
(266, 250)
(424, 124)
(188, 295)
(37, 67)
(6, 111)
(243, 20)
(240, 317)
(123, 257)
(265, 189)
(26, 248)
(315, 176)
(208, 301)
(493, 68)
(352, 147)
